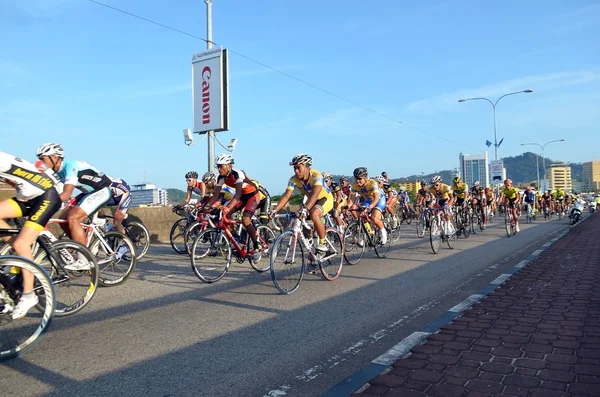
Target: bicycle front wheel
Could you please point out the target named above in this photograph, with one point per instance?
(266, 237)
(140, 236)
(331, 267)
(382, 250)
(116, 257)
(435, 234)
(177, 236)
(210, 255)
(354, 243)
(421, 224)
(288, 263)
(19, 336)
(74, 288)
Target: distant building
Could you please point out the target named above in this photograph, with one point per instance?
(591, 175)
(579, 186)
(474, 167)
(559, 176)
(146, 194)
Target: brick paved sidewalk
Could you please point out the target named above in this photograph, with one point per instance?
(538, 334)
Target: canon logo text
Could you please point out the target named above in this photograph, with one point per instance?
(206, 73)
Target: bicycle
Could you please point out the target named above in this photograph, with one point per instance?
(204, 220)
(19, 336)
(137, 233)
(360, 230)
(407, 214)
(529, 212)
(423, 222)
(509, 223)
(114, 251)
(463, 220)
(178, 230)
(288, 258)
(476, 218)
(394, 232)
(441, 229)
(74, 288)
(219, 243)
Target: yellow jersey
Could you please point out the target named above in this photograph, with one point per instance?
(460, 190)
(510, 193)
(367, 191)
(262, 192)
(442, 193)
(314, 179)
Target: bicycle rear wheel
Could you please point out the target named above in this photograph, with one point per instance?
(451, 238)
(507, 223)
(74, 288)
(266, 237)
(354, 243)
(116, 258)
(421, 224)
(287, 263)
(332, 268)
(177, 236)
(435, 234)
(382, 250)
(190, 234)
(19, 336)
(140, 236)
(210, 255)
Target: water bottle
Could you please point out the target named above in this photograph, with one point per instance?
(108, 226)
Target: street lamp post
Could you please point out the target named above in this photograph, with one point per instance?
(537, 162)
(211, 134)
(494, 107)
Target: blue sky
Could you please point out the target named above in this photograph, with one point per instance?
(116, 91)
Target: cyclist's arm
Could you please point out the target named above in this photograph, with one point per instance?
(215, 196)
(67, 191)
(375, 200)
(338, 197)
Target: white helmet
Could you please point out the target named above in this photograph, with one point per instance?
(402, 188)
(224, 158)
(209, 176)
(327, 175)
(436, 179)
(301, 158)
(48, 149)
(380, 178)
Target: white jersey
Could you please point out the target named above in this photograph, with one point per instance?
(25, 177)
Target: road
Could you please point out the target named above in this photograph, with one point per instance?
(164, 333)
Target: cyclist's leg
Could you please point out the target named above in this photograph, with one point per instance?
(121, 212)
(250, 203)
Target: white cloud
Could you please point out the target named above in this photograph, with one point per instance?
(539, 83)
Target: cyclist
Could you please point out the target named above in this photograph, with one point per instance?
(339, 199)
(460, 190)
(319, 198)
(265, 203)
(120, 198)
(547, 201)
(424, 197)
(374, 199)
(444, 199)
(246, 196)
(193, 186)
(37, 198)
(512, 195)
(489, 199)
(385, 177)
(391, 198)
(94, 185)
(404, 199)
(210, 180)
(529, 198)
(559, 197)
(479, 200)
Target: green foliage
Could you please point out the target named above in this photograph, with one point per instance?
(296, 199)
(175, 195)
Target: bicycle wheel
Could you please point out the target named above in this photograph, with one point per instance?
(507, 223)
(421, 224)
(409, 217)
(451, 238)
(435, 234)
(140, 236)
(382, 250)
(287, 263)
(19, 336)
(465, 225)
(394, 234)
(354, 243)
(331, 268)
(116, 258)
(74, 288)
(266, 237)
(190, 234)
(211, 255)
(177, 236)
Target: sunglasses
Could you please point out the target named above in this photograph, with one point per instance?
(189, 180)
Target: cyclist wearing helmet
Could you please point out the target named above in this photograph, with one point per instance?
(403, 197)
(246, 195)
(210, 181)
(37, 198)
(193, 186)
(513, 196)
(345, 185)
(373, 196)
(319, 198)
(490, 199)
(339, 199)
(460, 190)
(442, 194)
(385, 177)
(478, 200)
(424, 198)
(391, 198)
(120, 197)
(94, 185)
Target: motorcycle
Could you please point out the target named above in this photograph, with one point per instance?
(576, 212)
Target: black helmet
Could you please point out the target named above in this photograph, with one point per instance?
(191, 174)
(360, 172)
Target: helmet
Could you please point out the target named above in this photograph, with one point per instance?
(384, 174)
(507, 181)
(436, 179)
(191, 174)
(327, 175)
(301, 158)
(487, 189)
(380, 178)
(209, 176)
(402, 188)
(360, 172)
(48, 149)
(423, 182)
(456, 179)
(476, 183)
(224, 158)
(343, 179)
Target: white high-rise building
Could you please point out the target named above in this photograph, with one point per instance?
(148, 194)
(474, 167)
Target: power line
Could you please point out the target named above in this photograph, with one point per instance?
(280, 72)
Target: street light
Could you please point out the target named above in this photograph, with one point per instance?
(537, 159)
(494, 106)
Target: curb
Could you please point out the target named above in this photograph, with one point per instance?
(379, 365)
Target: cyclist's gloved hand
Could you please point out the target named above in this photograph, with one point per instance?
(303, 212)
(272, 214)
(226, 210)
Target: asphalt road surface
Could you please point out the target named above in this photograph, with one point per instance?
(165, 333)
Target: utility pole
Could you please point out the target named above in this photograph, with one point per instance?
(211, 134)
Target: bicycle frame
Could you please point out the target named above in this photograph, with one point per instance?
(296, 226)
